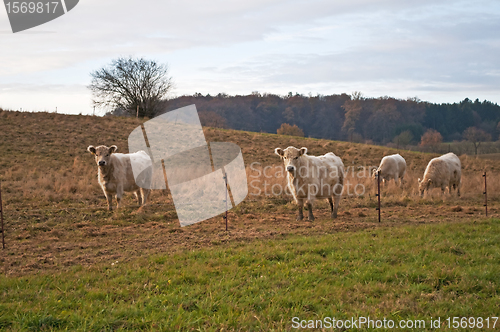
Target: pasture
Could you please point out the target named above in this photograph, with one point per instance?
(69, 264)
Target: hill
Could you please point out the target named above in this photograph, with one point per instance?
(71, 264)
(55, 211)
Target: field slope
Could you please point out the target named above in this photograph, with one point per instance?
(69, 264)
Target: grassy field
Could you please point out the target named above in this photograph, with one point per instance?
(69, 264)
(405, 273)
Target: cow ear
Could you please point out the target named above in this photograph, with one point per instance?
(429, 181)
(113, 149)
(419, 180)
(303, 151)
(279, 152)
(91, 149)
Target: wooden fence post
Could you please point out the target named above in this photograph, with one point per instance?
(485, 195)
(378, 194)
(1, 217)
(225, 180)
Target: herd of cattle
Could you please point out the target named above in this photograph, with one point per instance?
(309, 177)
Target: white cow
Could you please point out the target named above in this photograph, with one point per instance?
(442, 172)
(311, 177)
(392, 167)
(115, 173)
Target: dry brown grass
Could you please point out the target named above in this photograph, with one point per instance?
(56, 212)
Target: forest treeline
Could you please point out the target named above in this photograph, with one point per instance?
(344, 117)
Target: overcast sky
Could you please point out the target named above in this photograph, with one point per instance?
(438, 51)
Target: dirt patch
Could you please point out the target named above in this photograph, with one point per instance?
(100, 241)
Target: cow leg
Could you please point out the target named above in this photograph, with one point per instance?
(458, 188)
(145, 194)
(310, 208)
(332, 209)
(336, 198)
(109, 198)
(138, 196)
(300, 203)
(119, 194)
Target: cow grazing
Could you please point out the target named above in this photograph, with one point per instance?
(311, 177)
(115, 173)
(392, 167)
(442, 172)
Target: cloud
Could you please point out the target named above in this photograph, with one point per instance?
(281, 45)
(97, 29)
(440, 50)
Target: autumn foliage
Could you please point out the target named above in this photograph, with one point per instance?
(347, 117)
(431, 138)
(212, 119)
(290, 130)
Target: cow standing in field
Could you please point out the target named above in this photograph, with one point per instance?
(115, 173)
(442, 172)
(311, 177)
(392, 167)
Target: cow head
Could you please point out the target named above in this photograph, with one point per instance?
(291, 157)
(423, 186)
(102, 154)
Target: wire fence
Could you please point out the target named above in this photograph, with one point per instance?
(283, 198)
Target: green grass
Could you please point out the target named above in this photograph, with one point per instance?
(412, 272)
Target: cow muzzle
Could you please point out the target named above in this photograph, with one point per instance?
(102, 163)
(290, 169)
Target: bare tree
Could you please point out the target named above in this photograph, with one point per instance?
(131, 85)
(476, 136)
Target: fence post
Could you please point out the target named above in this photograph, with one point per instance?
(485, 195)
(1, 217)
(225, 180)
(378, 194)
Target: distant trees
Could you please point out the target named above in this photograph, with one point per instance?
(348, 117)
(212, 119)
(403, 139)
(476, 136)
(131, 85)
(353, 109)
(431, 138)
(290, 130)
